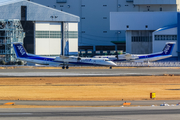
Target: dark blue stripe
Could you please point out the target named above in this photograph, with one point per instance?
(142, 57)
(52, 60)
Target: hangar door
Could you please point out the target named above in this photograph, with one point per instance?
(141, 42)
(48, 38)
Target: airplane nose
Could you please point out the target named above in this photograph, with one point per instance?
(113, 64)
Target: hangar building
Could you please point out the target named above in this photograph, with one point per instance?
(47, 30)
(146, 32)
(104, 23)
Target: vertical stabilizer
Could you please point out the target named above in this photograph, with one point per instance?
(168, 48)
(19, 50)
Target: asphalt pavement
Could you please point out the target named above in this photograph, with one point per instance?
(91, 103)
(154, 111)
(141, 71)
(113, 113)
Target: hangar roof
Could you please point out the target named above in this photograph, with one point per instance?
(5, 2)
(11, 9)
(167, 27)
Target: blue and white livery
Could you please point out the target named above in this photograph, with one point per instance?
(166, 53)
(21, 54)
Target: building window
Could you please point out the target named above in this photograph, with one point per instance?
(83, 18)
(141, 39)
(160, 9)
(104, 5)
(61, 5)
(146, 26)
(83, 32)
(127, 26)
(104, 31)
(61, 1)
(72, 34)
(42, 34)
(54, 6)
(126, 5)
(55, 34)
(82, 5)
(165, 37)
(48, 34)
(104, 17)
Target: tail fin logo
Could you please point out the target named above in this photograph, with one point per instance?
(167, 49)
(20, 48)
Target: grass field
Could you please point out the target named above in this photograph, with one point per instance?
(90, 88)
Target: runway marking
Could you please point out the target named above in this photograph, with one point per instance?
(56, 74)
(67, 74)
(1, 114)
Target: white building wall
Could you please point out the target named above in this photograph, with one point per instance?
(47, 46)
(139, 20)
(73, 42)
(149, 2)
(157, 8)
(95, 16)
(158, 45)
(95, 23)
(92, 25)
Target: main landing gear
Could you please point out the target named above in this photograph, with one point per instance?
(110, 67)
(63, 67)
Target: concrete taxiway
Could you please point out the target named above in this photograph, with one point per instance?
(92, 103)
(147, 71)
(115, 113)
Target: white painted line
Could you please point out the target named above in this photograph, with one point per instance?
(15, 113)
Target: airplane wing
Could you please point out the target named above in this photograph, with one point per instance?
(64, 57)
(128, 57)
(67, 59)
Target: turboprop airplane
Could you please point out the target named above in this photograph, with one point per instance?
(21, 54)
(166, 53)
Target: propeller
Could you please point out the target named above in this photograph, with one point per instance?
(117, 55)
(79, 58)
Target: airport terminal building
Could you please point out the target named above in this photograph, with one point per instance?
(134, 26)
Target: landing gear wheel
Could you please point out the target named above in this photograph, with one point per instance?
(67, 67)
(110, 67)
(63, 67)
